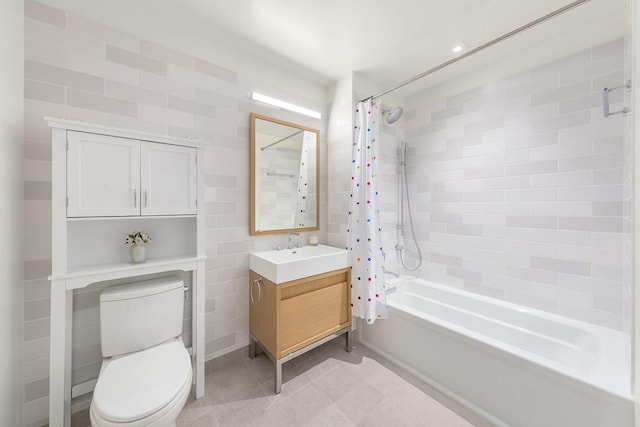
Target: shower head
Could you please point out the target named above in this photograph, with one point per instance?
(393, 115)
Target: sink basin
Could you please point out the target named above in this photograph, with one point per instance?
(291, 264)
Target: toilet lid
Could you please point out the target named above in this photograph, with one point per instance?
(137, 385)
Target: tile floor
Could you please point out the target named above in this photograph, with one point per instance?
(325, 387)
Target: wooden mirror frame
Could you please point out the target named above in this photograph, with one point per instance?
(253, 175)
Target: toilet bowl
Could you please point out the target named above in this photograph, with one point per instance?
(146, 388)
(146, 372)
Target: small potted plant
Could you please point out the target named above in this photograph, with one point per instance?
(135, 240)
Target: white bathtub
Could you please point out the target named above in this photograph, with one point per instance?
(515, 366)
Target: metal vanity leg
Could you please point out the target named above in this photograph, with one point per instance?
(252, 348)
(348, 341)
(278, 388)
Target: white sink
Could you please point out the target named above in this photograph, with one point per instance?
(291, 264)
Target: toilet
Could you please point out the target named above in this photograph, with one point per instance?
(146, 374)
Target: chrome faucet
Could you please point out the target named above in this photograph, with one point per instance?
(290, 245)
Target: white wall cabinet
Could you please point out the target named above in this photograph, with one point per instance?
(113, 176)
(104, 183)
(167, 179)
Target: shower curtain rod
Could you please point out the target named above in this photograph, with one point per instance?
(283, 139)
(484, 46)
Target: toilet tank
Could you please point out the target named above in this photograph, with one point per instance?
(139, 315)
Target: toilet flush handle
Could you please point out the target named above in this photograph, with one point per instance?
(186, 291)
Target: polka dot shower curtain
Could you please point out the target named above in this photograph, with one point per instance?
(308, 145)
(368, 298)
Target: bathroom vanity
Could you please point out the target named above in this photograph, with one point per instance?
(295, 305)
(300, 296)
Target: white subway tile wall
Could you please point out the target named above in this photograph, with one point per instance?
(628, 199)
(522, 190)
(80, 69)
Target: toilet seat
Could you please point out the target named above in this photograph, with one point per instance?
(144, 387)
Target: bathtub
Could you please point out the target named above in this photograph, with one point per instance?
(515, 366)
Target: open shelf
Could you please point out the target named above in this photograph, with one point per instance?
(82, 276)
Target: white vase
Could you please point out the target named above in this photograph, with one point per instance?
(137, 253)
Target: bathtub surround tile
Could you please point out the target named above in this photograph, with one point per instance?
(561, 266)
(539, 175)
(563, 92)
(603, 161)
(561, 65)
(595, 68)
(569, 179)
(464, 97)
(532, 168)
(584, 102)
(578, 118)
(614, 209)
(464, 141)
(447, 113)
(608, 49)
(485, 125)
(467, 275)
(538, 276)
(594, 224)
(532, 221)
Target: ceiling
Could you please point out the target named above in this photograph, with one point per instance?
(384, 41)
(390, 41)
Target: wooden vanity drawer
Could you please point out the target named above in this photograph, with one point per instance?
(308, 317)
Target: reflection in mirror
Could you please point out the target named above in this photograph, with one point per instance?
(284, 176)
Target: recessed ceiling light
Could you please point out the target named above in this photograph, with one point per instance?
(285, 105)
(459, 47)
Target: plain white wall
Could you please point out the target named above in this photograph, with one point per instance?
(11, 159)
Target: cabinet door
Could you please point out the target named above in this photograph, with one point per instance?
(103, 175)
(168, 179)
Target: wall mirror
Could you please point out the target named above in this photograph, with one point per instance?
(285, 176)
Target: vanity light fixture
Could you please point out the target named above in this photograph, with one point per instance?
(285, 105)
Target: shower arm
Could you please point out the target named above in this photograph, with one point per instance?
(510, 34)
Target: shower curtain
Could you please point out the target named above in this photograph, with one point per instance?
(308, 146)
(368, 298)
